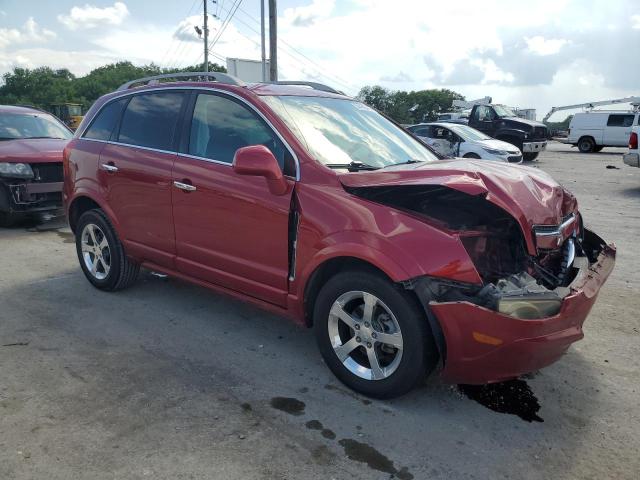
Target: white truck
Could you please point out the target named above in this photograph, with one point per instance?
(633, 157)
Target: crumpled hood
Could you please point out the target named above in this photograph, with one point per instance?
(531, 196)
(32, 150)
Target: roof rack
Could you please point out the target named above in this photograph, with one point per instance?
(314, 85)
(202, 77)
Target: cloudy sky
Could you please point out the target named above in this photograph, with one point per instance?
(533, 53)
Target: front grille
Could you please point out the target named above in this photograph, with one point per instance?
(47, 172)
(514, 158)
(540, 133)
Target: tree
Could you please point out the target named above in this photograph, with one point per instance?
(43, 86)
(409, 107)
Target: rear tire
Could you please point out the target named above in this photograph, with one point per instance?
(530, 156)
(394, 332)
(101, 254)
(586, 145)
(598, 148)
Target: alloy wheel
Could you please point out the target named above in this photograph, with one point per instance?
(96, 252)
(365, 335)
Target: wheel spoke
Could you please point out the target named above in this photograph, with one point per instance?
(94, 266)
(86, 248)
(103, 244)
(393, 339)
(376, 370)
(370, 302)
(338, 311)
(92, 234)
(343, 351)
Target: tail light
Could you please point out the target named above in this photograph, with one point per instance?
(633, 141)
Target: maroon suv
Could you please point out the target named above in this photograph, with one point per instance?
(31, 144)
(311, 204)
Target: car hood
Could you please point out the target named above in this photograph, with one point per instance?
(531, 196)
(32, 150)
(498, 145)
(513, 121)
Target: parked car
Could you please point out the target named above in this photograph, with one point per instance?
(313, 205)
(632, 158)
(502, 123)
(594, 130)
(451, 140)
(31, 144)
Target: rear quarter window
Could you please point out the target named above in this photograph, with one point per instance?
(618, 120)
(150, 120)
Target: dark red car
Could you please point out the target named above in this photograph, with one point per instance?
(313, 205)
(31, 144)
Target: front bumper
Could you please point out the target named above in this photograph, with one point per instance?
(484, 346)
(631, 159)
(24, 198)
(532, 147)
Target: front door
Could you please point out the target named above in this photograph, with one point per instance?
(136, 174)
(230, 230)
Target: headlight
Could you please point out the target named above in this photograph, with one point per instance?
(495, 152)
(15, 170)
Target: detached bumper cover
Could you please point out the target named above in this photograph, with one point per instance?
(529, 147)
(515, 346)
(631, 159)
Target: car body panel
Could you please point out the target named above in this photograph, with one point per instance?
(518, 346)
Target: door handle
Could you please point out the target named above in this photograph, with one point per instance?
(184, 186)
(109, 167)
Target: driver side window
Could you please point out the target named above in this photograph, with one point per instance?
(221, 125)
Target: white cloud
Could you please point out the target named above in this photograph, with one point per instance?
(635, 21)
(89, 16)
(308, 14)
(542, 46)
(29, 33)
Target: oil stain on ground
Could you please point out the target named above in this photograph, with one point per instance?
(325, 432)
(514, 397)
(292, 406)
(67, 237)
(361, 452)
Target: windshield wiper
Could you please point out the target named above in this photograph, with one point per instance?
(353, 166)
(408, 162)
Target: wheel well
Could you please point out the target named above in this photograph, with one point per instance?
(589, 137)
(324, 272)
(77, 208)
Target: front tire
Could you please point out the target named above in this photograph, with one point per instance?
(7, 219)
(530, 156)
(586, 145)
(373, 335)
(101, 254)
(472, 155)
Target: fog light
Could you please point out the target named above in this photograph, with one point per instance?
(530, 308)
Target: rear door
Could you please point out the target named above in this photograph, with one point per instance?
(618, 129)
(136, 173)
(230, 230)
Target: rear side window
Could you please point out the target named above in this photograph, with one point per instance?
(150, 120)
(106, 120)
(620, 120)
(221, 126)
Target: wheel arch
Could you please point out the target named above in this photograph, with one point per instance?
(84, 202)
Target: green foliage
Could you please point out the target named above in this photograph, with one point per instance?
(409, 107)
(555, 127)
(43, 86)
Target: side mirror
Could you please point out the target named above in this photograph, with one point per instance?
(257, 160)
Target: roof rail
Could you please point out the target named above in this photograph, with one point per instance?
(314, 85)
(202, 77)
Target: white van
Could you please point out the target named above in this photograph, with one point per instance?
(591, 131)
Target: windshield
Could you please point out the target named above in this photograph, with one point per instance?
(469, 134)
(503, 111)
(342, 132)
(14, 126)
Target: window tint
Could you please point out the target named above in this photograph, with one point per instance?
(620, 120)
(220, 126)
(105, 121)
(150, 119)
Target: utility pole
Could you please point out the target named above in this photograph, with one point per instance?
(206, 38)
(273, 41)
(262, 43)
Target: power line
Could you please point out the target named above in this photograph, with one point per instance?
(224, 26)
(173, 38)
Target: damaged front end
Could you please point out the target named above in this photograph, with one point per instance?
(528, 307)
(37, 190)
